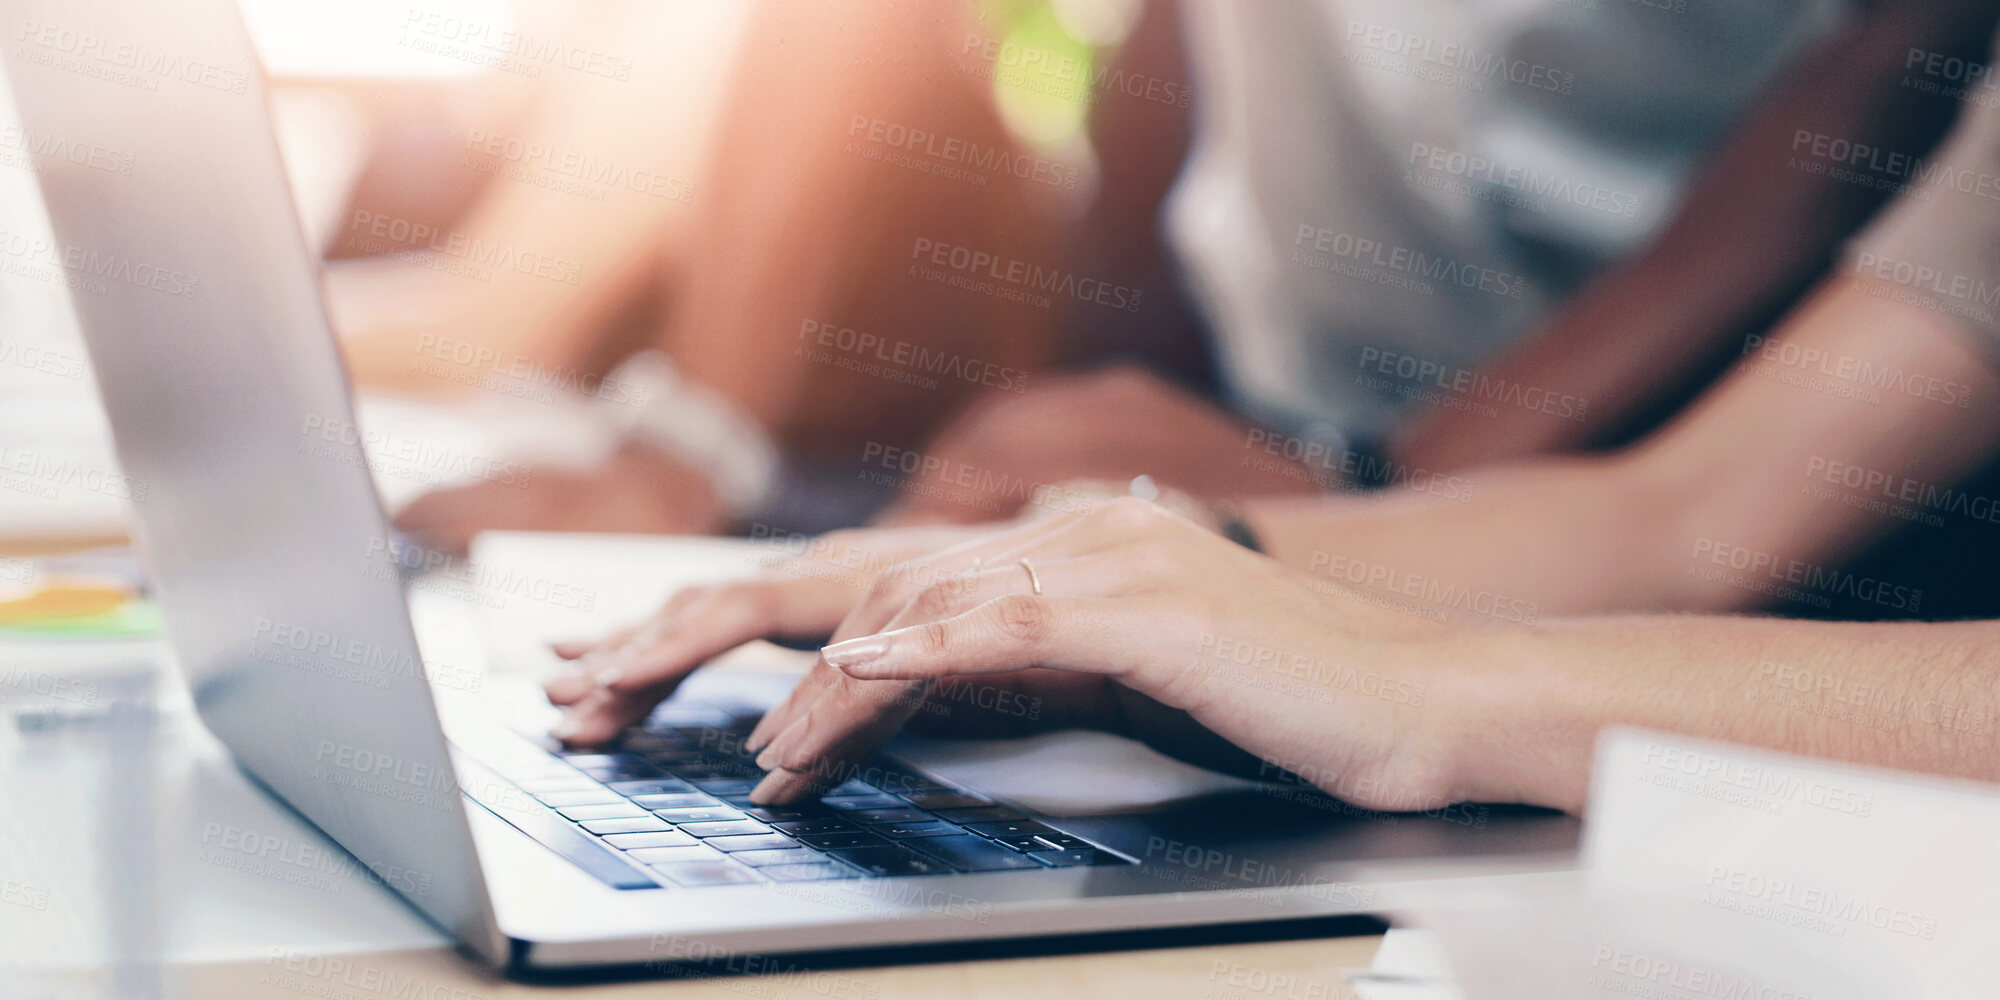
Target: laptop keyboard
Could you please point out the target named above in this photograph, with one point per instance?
(672, 799)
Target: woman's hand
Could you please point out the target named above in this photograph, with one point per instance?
(1320, 681)
(617, 680)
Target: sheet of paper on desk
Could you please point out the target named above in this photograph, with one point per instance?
(1721, 871)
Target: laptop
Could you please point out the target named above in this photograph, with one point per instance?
(200, 304)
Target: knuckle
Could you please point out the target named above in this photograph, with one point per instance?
(934, 639)
(1128, 512)
(1023, 618)
(935, 601)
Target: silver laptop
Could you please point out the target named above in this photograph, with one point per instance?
(201, 306)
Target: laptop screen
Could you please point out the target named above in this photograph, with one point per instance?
(193, 287)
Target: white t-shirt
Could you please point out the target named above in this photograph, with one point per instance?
(1383, 193)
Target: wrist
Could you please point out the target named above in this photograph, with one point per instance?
(1523, 717)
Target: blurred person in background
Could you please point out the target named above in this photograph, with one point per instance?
(1369, 184)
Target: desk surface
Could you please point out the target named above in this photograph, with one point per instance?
(1281, 969)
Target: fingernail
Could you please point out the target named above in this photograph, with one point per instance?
(568, 727)
(767, 789)
(853, 651)
(610, 677)
(768, 760)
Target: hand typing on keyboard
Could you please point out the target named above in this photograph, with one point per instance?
(1127, 618)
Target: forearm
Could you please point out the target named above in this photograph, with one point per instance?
(1750, 233)
(1910, 696)
(1710, 514)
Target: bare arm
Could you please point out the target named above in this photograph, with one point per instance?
(1752, 231)
(1853, 380)
(1912, 696)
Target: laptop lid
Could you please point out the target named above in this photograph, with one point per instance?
(201, 308)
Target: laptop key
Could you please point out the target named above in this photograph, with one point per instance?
(742, 828)
(708, 873)
(819, 824)
(595, 797)
(782, 856)
(901, 830)
(806, 873)
(651, 786)
(889, 860)
(902, 815)
(1075, 858)
(848, 803)
(775, 814)
(1009, 828)
(725, 786)
(1060, 841)
(840, 840)
(710, 814)
(658, 838)
(947, 800)
(979, 814)
(624, 824)
(580, 813)
(971, 854)
(753, 842)
(657, 856)
(677, 800)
